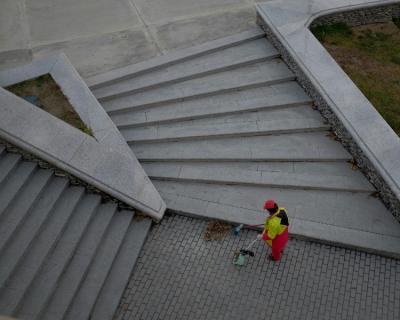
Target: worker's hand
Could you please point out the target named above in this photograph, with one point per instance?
(259, 236)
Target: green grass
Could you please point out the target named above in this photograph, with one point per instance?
(378, 45)
(88, 131)
(331, 32)
(396, 21)
(385, 98)
(370, 55)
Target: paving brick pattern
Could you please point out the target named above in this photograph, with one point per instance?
(181, 276)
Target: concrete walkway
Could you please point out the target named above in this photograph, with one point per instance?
(181, 276)
(100, 35)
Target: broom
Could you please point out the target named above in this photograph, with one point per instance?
(237, 229)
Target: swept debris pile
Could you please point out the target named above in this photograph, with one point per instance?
(216, 230)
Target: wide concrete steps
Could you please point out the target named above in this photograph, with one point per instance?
(249, 174)
(266, 97)
(314, 146)
(288, 120)
(225, 59)
(64, 254)
(221, 127)
(249, 76)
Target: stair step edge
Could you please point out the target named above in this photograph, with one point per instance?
(379, 244)
(67, 287)
(217, 113)
(123, 266)
(48, 207)
(27, 169)
(172, 58)
(16, 215)
(250, 85)
(355, 189)
(211, 135)
(107, 97)
(31, 307)
(47, 239)
(100, 268)
(9, 162)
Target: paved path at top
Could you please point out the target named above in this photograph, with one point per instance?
(100, 35)
(181, 276)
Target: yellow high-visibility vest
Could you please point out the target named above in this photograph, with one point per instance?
(273, 226)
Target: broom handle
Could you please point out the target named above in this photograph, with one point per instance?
(253, 225)
(251, 244)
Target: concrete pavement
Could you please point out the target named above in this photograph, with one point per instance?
(181, 276)
(98, 36)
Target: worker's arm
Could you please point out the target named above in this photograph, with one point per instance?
(261, 235)
(265, 233)
(265, 236)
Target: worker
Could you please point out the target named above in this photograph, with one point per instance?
(275, 232)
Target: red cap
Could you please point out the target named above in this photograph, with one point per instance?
(269, 204)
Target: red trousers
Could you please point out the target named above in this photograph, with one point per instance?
(278, 244)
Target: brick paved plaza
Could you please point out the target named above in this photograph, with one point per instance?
(181, 276)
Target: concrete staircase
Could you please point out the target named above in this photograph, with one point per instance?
(223, 126)
(64, 254)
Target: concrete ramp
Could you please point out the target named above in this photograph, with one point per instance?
(224, 126)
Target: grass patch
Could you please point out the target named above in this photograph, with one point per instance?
(332, 31)
(396, 21)
(370, 55)
(50, 98)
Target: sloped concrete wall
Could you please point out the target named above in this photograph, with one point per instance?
(104, 161)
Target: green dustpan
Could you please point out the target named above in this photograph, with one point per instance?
(239, 259)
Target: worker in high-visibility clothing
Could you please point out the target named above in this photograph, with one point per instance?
(276, 227)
